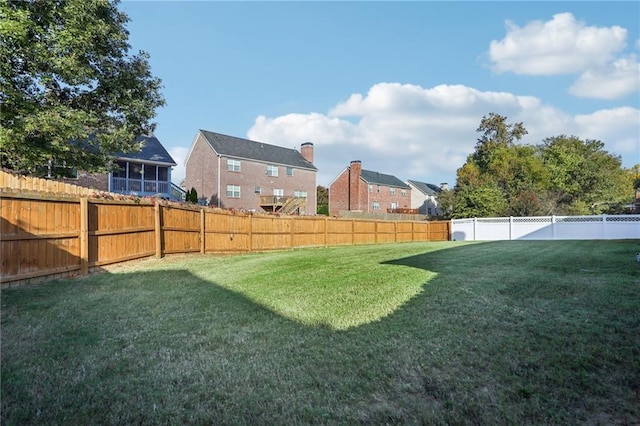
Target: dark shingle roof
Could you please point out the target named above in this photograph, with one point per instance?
(152, 150)
(231, 146)
(425, 188)
(382, 179)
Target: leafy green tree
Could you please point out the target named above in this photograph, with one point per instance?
(634, 173)
(585, 178)
(446, 202)
(485, 200)
(497, 137)
(70, 91)
(563, 175)
(192, 196)
(323, 200)
(498, 164)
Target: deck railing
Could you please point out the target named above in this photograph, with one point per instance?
(128, 186)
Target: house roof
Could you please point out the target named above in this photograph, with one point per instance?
(152, 151)
(382, 179)
(231, 146)
(425, 188)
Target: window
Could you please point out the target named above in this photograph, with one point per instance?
(289, 171)
(394, 206)
(370, 188)
(300, 194)
(404, 192)
(163, 174)
(135, 171)
(257, 190)
(121, 170)
(278, 192)
(233, 165)
(376, 205)
(429, 211)
(233, 191)
(392, 191)
(149, 172)
(272, 170)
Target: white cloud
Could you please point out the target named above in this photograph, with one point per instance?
(179, 155)
(619, 128)
(559, 46)
(611, 81)
(427, 133)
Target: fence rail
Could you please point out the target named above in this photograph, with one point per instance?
(603, 227)
(44, 236)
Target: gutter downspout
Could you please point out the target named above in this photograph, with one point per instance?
(219, 161)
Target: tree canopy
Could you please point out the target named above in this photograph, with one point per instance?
(322, 194)
(562, 175)
(71, 93)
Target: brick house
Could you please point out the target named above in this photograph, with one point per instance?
(356, 189)
(236, 173)
(143, 173)
(424, 197)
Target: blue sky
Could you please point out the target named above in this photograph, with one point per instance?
(401, 86)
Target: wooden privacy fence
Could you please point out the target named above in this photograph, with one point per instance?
(43, 236)
(29, 183)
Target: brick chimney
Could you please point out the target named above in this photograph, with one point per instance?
(355, 169)
(306, 149)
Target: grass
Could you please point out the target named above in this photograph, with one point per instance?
(437, 333)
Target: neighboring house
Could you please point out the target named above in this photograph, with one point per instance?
(143, 173)
(235, 173)
(355, 189)
(424, 197)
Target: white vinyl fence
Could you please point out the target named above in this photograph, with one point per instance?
(605, 227)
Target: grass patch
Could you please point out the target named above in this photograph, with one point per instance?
(438, 333)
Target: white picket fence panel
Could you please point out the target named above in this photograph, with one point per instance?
(603, 227)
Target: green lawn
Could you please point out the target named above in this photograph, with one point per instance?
(536, 332)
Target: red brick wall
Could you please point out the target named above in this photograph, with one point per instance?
(382, 194)
(306, 149)
(349, 192)
(99, 182)
(202, 174)
(339, 193)
(356, 201)
(201, 169)
(254, 174)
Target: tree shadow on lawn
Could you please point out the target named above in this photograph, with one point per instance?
(168, 347)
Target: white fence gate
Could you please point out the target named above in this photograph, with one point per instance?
(604, 227)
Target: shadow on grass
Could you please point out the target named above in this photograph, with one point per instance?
(168, 347)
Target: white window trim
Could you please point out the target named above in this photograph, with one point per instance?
(233, 165)
(272, 170)
(231, 189)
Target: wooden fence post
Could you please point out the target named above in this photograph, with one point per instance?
(326, 231)
(158, 229)
(203, 233)
(353, 230)
(292, 235)
(250, 233)
(84, 236)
